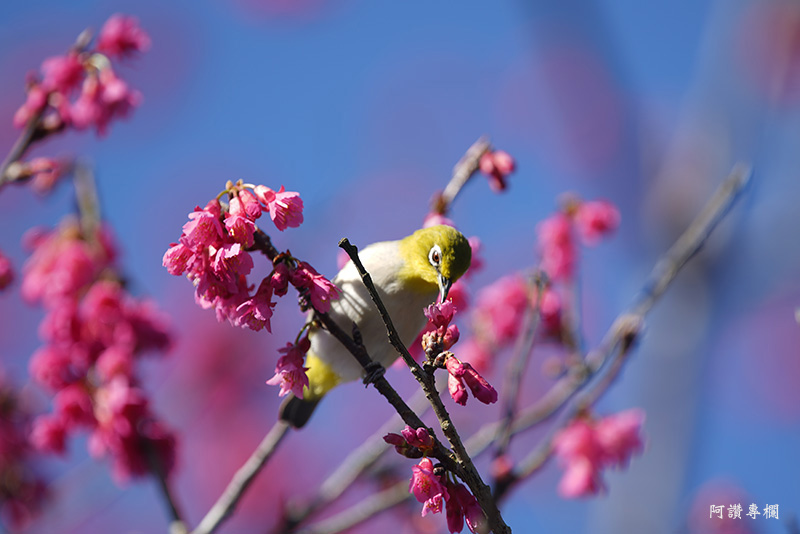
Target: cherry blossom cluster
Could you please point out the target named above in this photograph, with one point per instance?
(214, 252)
(431, 486)
(587, 446)
(93, 332)
(462, 375)
(88, 73)
(22, 491)
(497, 165)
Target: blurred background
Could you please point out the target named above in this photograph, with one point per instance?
(363, 108)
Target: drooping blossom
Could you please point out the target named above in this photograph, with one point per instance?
(320, 290)
(285, 207)
(439, 334)
(427, 487)
(596, 219)
(122, 36)
(462, 373)
(585, 447)
(290, 374)
(462, 505)
(497, 165)
(256, 312)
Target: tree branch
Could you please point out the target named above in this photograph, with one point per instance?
(462, 172)
(469, 473)
(227, 502)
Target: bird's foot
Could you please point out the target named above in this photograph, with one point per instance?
(374, 373)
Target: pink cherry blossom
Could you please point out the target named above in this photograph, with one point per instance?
(121, 36)
(49, 434)
(320, 290)
(35, 102)
(285, 207)
(62, 73)
(279, 280)
(290, 374)
(74, 405)
(45, 172)
(462, 505)
(500, 307)
(596, 219)
(256, 312)
(427, 487)
(103, 97)
(463, 373)
(177, 258)
(436, 219)
(440, 314)
(619, 436)
(240, 229)
(497, 166)
(581, 478)
(557, 247)
(204, 228)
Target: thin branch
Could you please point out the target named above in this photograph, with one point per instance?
(226, 503)
(359, 460)
(364, 510)
(516, 369)
(176, 525)
(469, 473)
(467, 166)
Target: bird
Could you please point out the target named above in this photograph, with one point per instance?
(408, 274)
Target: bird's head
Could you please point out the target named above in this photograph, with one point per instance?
(434, 257)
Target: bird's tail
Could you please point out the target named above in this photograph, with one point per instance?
(297, 411)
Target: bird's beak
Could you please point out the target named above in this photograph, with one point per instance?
(444, 286)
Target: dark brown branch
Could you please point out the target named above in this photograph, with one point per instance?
(462, 172)
(227, 502)
(469, 474)
(176, 525)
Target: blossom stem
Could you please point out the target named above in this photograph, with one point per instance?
(469, 474)
(466, 167)
(227, 502)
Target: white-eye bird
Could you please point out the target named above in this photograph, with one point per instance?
(408, 274)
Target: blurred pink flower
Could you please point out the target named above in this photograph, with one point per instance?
(557, 247)
(619, 436)
(436, 219)
(35, 102)
(596, 219)
(62, 73)
(6, 272)
(122, 36)
(45, 172)
(103, 97)
(497, 165)
(49, 434)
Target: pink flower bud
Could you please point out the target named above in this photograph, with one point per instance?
(497, 166)
(457, 389)
(595, 220)
(481, 389)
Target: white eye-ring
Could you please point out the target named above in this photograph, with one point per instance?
(435, 256)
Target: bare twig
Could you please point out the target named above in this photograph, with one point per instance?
(364, 510)
(226, 503)
(176, 525)
(462, 172)
(519, 362)
(469, 473)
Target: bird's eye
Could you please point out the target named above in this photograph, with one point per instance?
(435, 255)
